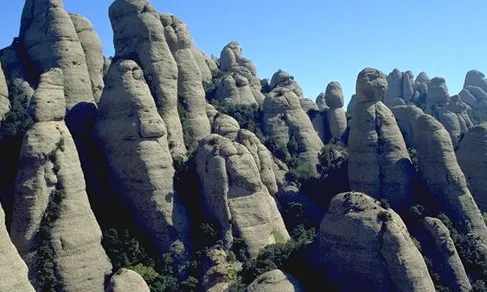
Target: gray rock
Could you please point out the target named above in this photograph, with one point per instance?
(395, 85)
(191, 94)
(284, 119)
(134, 139)
(284, 79)
(445, 258)
(475, 78)
(407, 86)
(308, 105)
(235, 197)
(351, 105)
(125, 280)
(92, 47)
(206, 65)
(138, 31)
(275, 281)
(478, 92)
(4, 102)
(422, 83)
(320, 101)
(452, 124)
(49, 162)
(14, 271)
(334, 95)
(218, 270)
(361, 240)
(376, 144)
(437, 93)
(106, 65)
(337, 121)
(472, 158)
(446, 181)
(51, 41)
(467, 97)
(406, 116)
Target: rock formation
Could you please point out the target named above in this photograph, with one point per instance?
(476, 78)
(445, 180)
(406, 116)
(376, 144)
(285, 121)
(135, 142)
(337, 119)
(472, 158)
(275, 280)
(14, 271)
(93, 50)
(50, 194)
(126, 280)
(351, 105)
(218, 270)
(394, 89)
(235, 197)
(320, 101)
(308, 105)
(239, 83)
(284, 79)
(139, 33)
(363, 241)
(191, 94)
(4, 102)
(50, 40)
(445, 258)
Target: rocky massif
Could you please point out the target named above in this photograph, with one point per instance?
(163, 169)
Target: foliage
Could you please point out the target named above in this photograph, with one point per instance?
(17, 121)
(280, 152)
(45, 272)
(188, 135)
(300, 170)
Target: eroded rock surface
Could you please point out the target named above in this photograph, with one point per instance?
(126, 280)
(274, 281)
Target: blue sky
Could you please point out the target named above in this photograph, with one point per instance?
(320, 41)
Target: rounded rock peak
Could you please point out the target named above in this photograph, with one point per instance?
(279, 77)
(423, 78)
(371, 85)
(334, 95)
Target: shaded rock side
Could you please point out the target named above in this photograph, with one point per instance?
(125, 280)
(4, 101)
(376, 145)
(284, 119)
(49, 166)
(274, 281)
(334, 95)
(472, 158)
(336, 116)
(93, 50)
(134, 139)
(283, 79)
(308, 105)
(51, 41)
(444, 178)
(191, 94)
(235, 197)
(361, 240)
(445, 259)
(14, 271)
(320, 101)
(139, 33)
(406, 116)
(394, 88)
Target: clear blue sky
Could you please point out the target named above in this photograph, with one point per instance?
(319, 41)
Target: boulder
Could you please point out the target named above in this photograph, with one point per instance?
(334, 95)
(395, 85)
(363, 241)
(444, 256)
(138, 32)
(337, 121)
(320, 101)
(14, 271)
(475, 78)
(445, 180)
(51, 207)
(135, 141)
(191, 94)
(93, 50)
(285, 120)
(274, 281)
(376, 144)
(235, 197)
(125, 280)
(437, 93)
(472, 158)
(284, 79)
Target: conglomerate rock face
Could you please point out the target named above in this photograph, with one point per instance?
(135, 142)
(235, 197)
(139, 33)
(376, 144)
(50, 194)
(275, 280)
(360, 239)
(126, 280)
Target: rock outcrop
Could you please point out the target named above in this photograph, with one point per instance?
(93, 50)
(284, 79)
(4, 102)
(139, 33)
(126, 280)
(14, 271)
(320, 101)
(394, 88)
(235, 197)
(191, 94)
(50, 195)
(218, 270)
(476, 78)
(337, 118)
(472, 158)
(275, 280)
(363, 241)
(239, 83)
(376, 145)
(135, 141)
(285, 121)
(406, 116)
(444, 178)
(445, 259)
